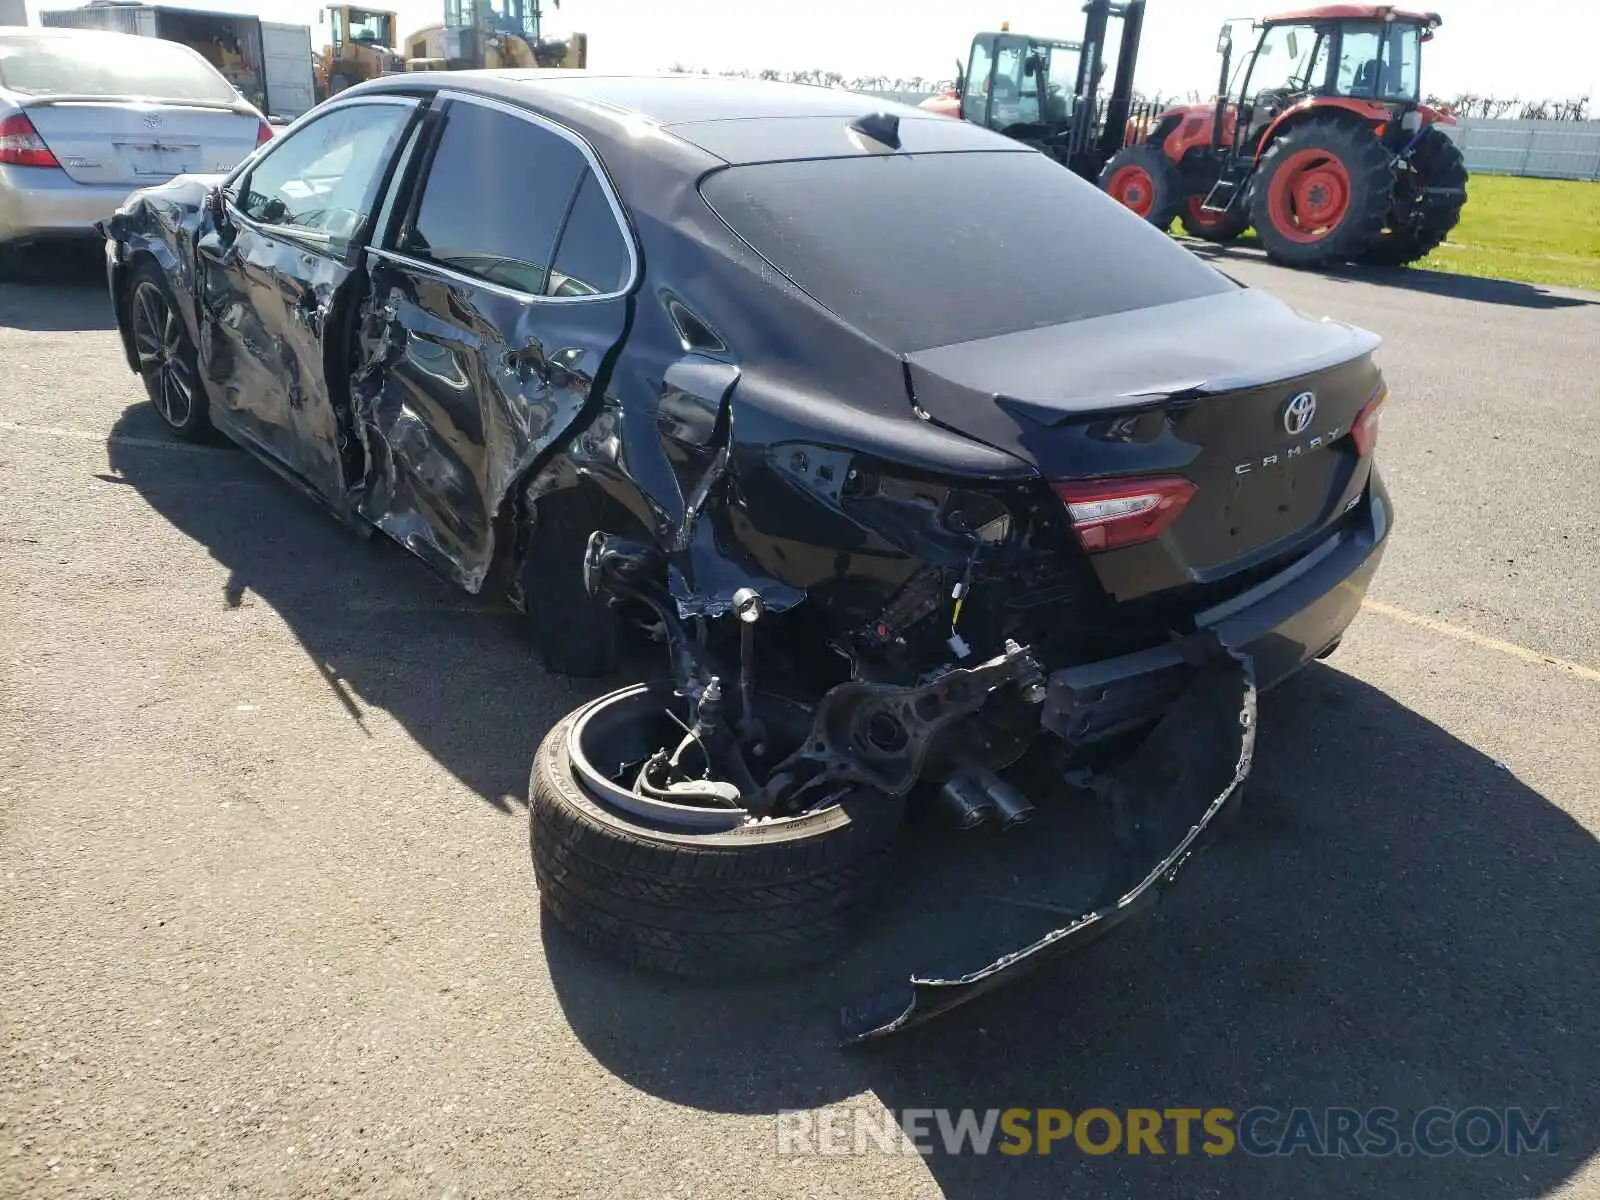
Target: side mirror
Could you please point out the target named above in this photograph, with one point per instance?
(1225, 40)
(961, 79)
(1294, 45)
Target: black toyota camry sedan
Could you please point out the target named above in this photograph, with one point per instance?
(940, 480)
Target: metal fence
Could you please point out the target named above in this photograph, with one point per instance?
(1547, 149)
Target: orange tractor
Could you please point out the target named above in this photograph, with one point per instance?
(1323, 145)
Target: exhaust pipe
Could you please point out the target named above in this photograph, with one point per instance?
(974, 794)
(966, 800)
(1011, 805)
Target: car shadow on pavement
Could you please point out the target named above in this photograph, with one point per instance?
(61, 290)
(1395, 920)
(1509, 292)
(456, 671)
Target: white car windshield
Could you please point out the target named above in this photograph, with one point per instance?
(104, 66)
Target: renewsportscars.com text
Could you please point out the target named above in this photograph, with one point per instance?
(1258, 1131)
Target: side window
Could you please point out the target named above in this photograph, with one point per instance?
(1358, 60)
(1283, 59)
(977, 88)
(322, 180)
(496, 193)
(592, 259)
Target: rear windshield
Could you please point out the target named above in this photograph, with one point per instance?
(105, 66)
(926, 250)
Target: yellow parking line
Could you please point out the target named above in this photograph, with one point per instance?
(1445, 629)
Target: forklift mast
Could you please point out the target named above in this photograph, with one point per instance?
(1120, 103)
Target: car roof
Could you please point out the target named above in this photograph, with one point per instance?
(726, 120)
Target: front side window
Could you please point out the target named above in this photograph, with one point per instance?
(322, 180)
(976, 95)
(1284, 60)
(496, 194)
(1010, 86)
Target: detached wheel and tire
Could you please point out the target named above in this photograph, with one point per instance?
(167, 360)
(1323, 193)
(1212, 227)
(1144, 180)
(1436, 161)
(694, 888)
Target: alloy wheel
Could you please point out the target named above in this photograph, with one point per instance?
(158, 340)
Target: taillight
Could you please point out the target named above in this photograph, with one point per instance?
(264, 134)
(1108, 513)
(1364, 429)
(21, 145)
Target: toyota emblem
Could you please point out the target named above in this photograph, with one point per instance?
(152, 121)
(1298, 413)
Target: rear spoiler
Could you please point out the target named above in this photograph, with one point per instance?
(66, 98)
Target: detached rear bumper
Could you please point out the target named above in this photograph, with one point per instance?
(1281, 624)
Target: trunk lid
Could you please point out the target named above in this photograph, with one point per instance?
(1213, 390)
(137, 143)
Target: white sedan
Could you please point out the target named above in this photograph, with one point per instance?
(86, 117)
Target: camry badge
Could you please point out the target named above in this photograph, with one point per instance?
(1298, 412)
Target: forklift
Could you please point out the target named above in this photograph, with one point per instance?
(1046, 91)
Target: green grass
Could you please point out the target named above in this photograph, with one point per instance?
(1533, 230)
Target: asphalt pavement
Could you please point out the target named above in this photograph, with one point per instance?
(268, 925)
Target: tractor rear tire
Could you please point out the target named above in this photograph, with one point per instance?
(1438, 163)
(1145, 181)
(1212, 227)
(1323, 192)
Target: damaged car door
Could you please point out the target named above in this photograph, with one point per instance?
(275, 276)
(495, 305)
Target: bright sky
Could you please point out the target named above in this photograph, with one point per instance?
(1529, 49)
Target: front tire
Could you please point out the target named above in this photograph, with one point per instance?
(1146, 182)
(1323, 193)
(1221, 228)
(168, 364)
(755, 898)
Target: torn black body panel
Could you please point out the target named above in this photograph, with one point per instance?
(1163, 803)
